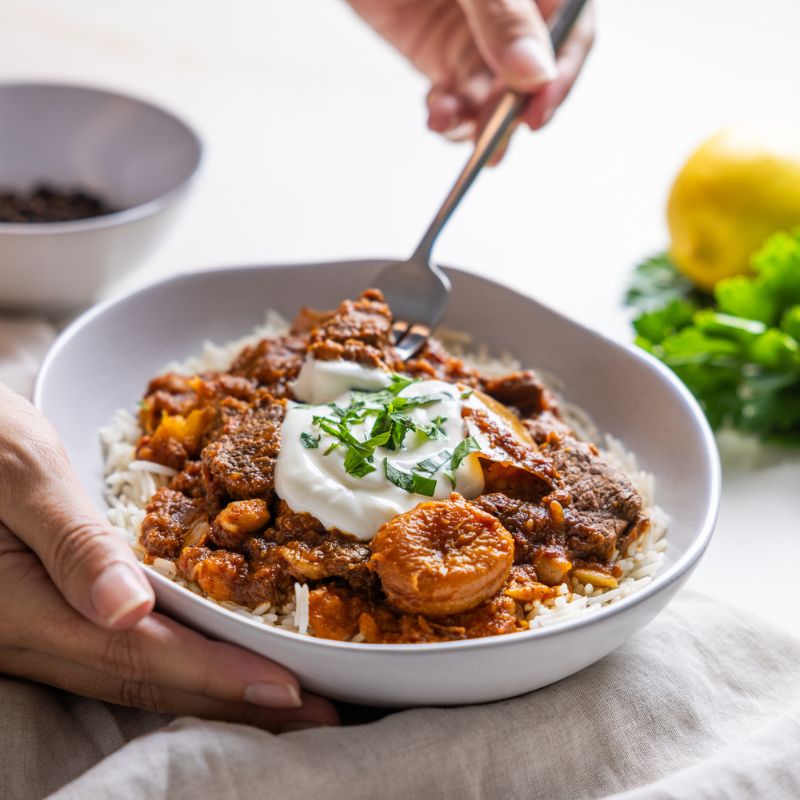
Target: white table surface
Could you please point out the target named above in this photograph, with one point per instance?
(317, 150)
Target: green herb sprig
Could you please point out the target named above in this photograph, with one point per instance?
(738, 351)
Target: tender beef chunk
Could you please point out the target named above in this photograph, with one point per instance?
(364, 354)
(163, 449)
(528, 522)
(434, 361)
(336, 557)
(603, 496)
(261, 552)
(548, 425)
(170, 517)
(367, 319)
(190, 481)
(600, 509)
(296, 525)
(311, 552)
(359, 330)
(522, 391)
(241, 462)
(545, 524)
(603, 499)
(309, 318)
(273, 363)
(227, 576)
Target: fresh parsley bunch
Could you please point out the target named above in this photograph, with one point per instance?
(738, 351)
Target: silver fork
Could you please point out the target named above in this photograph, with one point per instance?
(417, 290)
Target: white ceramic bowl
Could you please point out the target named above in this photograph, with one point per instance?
(104, 360)
(140, 158)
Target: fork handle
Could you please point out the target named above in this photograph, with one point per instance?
(502, 117)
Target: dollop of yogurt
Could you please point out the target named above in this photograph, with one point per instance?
(311, 474)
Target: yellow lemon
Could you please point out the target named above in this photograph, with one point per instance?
(736, 189)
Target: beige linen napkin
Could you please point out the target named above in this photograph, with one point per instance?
(703, 703)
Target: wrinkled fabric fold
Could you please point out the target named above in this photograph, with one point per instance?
(702, 703)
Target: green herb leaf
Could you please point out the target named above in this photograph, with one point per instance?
(741, 296)
(727, 326)
(790, 322)
(463, 449)
(411, 482)
(656, 325)
(398, 477)
(308, 441)
(775, 350)
(423, 485)
(433, 464)
(357, 463)
(656, 282)
(435, 430)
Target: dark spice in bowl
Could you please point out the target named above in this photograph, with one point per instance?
(50, 204)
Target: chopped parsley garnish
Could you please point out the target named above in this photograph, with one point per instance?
(463, 449)
(308, 441)
(435, 430)
(431, 465)
(391, 425)
(411, 482)
(392, 418)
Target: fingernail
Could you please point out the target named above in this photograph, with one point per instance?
(462, 132)
(530, 60)
(300, 725)
(477, 89)
(273, 695)
(117, 592)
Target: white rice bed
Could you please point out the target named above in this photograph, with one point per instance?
(130, 483)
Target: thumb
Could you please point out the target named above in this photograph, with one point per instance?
(43, 504)
(513, 39)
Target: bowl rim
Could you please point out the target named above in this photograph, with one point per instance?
(673, 574)
(125, 215)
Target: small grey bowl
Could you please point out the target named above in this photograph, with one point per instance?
(138, 157)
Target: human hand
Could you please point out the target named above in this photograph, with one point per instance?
(78, 611)
(473, 49)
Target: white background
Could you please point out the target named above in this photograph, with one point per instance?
(316, 149)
